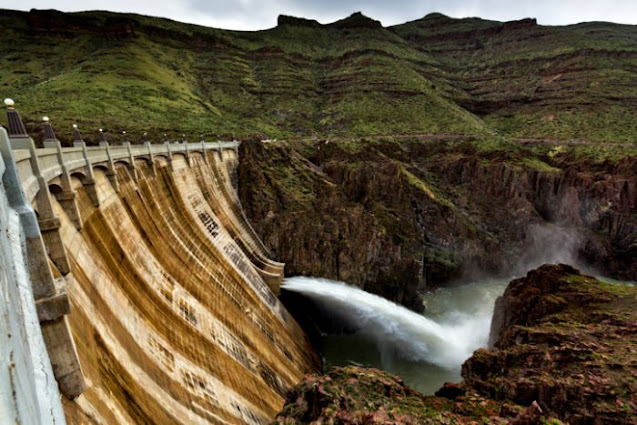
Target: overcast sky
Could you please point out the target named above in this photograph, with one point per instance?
(262, 14)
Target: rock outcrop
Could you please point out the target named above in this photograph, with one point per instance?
(563, 351)
(566, 341)
(392, 217)
(352, 395)
(298, 22)
(357, 20)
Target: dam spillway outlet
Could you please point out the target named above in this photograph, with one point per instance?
(352, 327)
(173, 312)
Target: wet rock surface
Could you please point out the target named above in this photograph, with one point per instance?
(563, 353)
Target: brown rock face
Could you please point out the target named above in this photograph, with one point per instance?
(566, 341)
(325, 221)
(299, 22)
(525, 300)
(352, 395)
(393, 217)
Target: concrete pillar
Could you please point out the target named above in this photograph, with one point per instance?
(187, 152)
(111, 174)
(39, 270)
(67, 198)
(89, 181)
(64, 358)
(48, 220)
(203, 150)
(131, 162)
(169, 154)
(149, 147)
(68, 201)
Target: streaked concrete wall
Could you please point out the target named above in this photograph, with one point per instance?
(173, 322)
(173, 310)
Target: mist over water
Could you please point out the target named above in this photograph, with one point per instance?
(553, 244)
(425, 350)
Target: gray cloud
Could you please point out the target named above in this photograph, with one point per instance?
(261, 14)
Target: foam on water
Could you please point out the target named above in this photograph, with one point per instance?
(429, 347)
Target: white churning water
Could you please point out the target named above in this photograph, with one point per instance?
(425, 350)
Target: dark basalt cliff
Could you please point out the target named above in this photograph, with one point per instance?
(393, 217)
(563, 352)
(566, 341)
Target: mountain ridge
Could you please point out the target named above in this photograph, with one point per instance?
(350, 78)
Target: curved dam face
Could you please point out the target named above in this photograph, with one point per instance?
(172, 322)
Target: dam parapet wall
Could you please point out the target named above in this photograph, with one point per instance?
(28, 391)
(155, 299)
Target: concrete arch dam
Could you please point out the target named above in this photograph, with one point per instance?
(134, 290)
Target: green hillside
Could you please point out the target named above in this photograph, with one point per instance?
(526, 80)
(302, 79)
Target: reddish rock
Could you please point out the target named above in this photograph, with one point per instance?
(565, 341)
(451, 391)
(531, 415)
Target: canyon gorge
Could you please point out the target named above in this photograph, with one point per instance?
(143, 264)
(394, 217)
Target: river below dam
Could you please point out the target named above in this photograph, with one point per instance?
(353, 327)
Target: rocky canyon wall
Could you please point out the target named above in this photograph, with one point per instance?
(394, 216)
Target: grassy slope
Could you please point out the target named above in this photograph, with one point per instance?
(527, 80)
(350, 78)
(281, 82)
